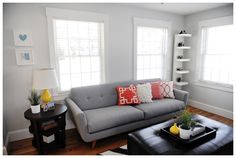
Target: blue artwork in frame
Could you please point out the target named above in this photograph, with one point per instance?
(27, 56)
(24, 56)
(23, 38)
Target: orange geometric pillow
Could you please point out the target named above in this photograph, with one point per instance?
(127, 95)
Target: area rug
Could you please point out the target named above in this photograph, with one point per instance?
(118, 151)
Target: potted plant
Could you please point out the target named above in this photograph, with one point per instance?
(34, 99)
(186, 123)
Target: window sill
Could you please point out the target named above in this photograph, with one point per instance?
(214, 86)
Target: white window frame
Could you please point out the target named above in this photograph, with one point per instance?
(167, 56)
(228, 20)
(54, 13)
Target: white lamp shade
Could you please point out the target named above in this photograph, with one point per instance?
(45, 79)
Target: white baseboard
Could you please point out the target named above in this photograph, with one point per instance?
(19, 134)
(24, 134)
(211, 108)
(69, 124)
(6, 141)
(5, 151)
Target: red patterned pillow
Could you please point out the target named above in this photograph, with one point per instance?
(156, 90)
(127, 95)
(167, 89)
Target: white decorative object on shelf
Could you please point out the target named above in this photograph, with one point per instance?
(181, 50)
(49, 139)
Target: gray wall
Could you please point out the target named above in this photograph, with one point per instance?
(18, 79)
(205, 95)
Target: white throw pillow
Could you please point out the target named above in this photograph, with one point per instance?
(167, 89)
(144, 92)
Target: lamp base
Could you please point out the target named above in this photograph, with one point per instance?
(46, 96)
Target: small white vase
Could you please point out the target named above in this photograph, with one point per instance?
(184, 133)
(35, 109)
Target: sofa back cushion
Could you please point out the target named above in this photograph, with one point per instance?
(98, 96)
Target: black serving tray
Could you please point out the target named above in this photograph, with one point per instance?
(200, 138)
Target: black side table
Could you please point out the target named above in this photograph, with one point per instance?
(38, 120)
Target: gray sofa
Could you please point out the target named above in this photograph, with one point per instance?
(96, 115)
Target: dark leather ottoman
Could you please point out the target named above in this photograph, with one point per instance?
(148, 142)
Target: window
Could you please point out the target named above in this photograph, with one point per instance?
(78, 52)
(216, 54)
(77, 47)
(150, 49)
(151, 44)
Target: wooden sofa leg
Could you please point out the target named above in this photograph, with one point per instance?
(94, 144)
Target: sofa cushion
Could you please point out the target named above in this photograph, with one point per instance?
(112, 116)
(160, 107)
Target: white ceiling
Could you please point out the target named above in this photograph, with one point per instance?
(179, 8)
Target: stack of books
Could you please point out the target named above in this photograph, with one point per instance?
(49, 125)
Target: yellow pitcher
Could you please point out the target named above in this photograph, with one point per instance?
(174, 129)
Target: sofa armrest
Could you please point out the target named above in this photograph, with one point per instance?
(181, 95)
(79, 117)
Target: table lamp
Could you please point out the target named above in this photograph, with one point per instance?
(45, 79)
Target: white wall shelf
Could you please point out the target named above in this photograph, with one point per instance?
(182, 60)
(181, 83)
(182, 72)
(184, 35)
(184, 47)
(179, 63)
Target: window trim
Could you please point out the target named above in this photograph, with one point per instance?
(227, 20)
(152, 23)
(216, 86)
(54, 13)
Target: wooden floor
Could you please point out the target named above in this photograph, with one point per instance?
(75, 146)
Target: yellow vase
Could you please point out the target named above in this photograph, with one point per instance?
(174, 129)
(46, 96)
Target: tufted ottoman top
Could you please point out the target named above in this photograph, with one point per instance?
(148, 141)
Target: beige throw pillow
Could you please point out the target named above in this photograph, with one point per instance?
(144, 92)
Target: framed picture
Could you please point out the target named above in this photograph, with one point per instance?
(24, 57)
(49, 106)
(23, 38)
